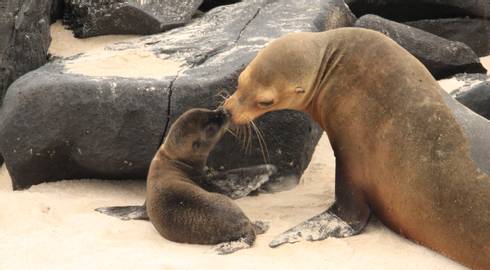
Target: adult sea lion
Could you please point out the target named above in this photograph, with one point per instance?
(181, 201)
(404, 149)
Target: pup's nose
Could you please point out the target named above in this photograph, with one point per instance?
(223, 112)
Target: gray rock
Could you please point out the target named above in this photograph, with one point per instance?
(338, 14)
(57, 124)
(89, 18)
(412, 10)
(57, 8)
(24, 38)
(442, 57)
(473, 32)
(477, 98)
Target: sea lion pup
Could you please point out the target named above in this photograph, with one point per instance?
(404, 149)
(235, 183)
(177, 206)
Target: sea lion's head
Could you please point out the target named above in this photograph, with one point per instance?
(194, 134)
(280, 77)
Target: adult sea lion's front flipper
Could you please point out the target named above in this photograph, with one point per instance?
(131, 212)
(346, 217)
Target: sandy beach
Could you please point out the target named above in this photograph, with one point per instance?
(53, 225)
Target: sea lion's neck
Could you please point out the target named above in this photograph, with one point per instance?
(189, 165)
(320, 98)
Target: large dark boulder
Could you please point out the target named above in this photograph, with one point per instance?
(24, 38)
(89, 18)
(473, 32)
(411, 10)
(57, 8)
(210, 4)
(477, 98)
(442, 57)
(60, 123)
(337, 14)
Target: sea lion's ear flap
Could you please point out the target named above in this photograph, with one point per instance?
(299, 90)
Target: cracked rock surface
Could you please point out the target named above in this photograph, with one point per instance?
(74, 119)
(89, 18)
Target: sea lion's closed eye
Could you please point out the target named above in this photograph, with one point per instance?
(265, 104)
(299, 90)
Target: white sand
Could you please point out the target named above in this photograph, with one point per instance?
(126, 63)
(64, 44)
(100, 62)
(53, 226)
(452, 84)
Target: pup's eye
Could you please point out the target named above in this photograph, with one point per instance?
(211, 130)
(196, 145)
(265, 104)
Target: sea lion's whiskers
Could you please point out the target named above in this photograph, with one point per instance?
(263, 145)
(221, 103)
(244, 138)
(243, 134)
(260, 144)
(223, 94)
(232, 132)
(249, 139)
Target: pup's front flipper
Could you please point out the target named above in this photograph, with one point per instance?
(240, 182)
(231, 247)
(260, 227)
(137, 212)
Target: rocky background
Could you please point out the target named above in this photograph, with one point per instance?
(60, 122)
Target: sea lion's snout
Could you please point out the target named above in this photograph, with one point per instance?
(221, 116)
(237, 111)
(224, 111)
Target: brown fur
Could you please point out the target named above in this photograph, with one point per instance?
(179, 209)
(399, 150)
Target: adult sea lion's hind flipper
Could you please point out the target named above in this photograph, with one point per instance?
(238, 183)
(135, 212)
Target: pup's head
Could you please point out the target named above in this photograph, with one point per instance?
(194, 134)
